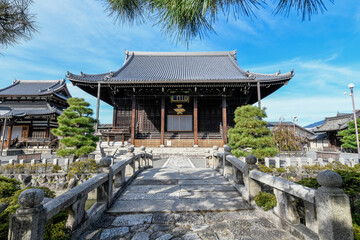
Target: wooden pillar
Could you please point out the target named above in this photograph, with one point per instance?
(97, 108)
(259, 94)
(162, 120)
(47, 128)
(3, 136)
(114, 117)
(133, 118)
(224, 119)
(9, 136)
(195, 121)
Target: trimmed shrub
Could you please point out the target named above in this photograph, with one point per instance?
(266, 200)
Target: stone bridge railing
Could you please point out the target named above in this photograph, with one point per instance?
(327, 209)
(29, 220)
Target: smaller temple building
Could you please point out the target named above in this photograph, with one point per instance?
(332, 125)
(29, 110)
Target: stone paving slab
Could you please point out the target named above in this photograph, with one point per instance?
(220, 181)
(151, 189)
(207, 188)
(155, 196)
(212, 194)
(233, 225)
(199, 204)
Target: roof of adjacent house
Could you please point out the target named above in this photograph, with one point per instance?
(22, 109)
(179, 67)
(290, 124)
(337, 123)
(36, 88)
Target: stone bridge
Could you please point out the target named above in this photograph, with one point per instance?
(179, 201)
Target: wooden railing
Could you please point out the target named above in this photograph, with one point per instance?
(29, 220)
(327, 209)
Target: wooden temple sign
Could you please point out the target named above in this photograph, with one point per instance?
(180, 99)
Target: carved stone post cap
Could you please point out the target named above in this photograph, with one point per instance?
(105, 161)
(329, 179)
(131, 149)
(227, 148)
(31, 198)
(215, 148)
(251, 159)
(142, 148)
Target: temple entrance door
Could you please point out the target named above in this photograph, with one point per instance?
(179, 123)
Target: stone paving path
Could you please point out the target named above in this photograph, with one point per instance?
(180, 202)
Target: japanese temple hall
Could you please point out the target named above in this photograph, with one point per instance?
(177, 99)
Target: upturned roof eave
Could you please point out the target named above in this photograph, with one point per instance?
(193, 81)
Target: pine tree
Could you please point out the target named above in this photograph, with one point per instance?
(286, 139)
(250, 134)
(76, 128)
(349, 135)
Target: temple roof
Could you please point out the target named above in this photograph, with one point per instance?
(337, 123)
(36, 88)
(179, 67)
(27, 108)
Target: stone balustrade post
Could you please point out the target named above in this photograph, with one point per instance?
(310, 161)
(55, 161)
(150, 158)
(352, 162)
(299, 162)
(66, 164)
(130, 153)
(342, 160)
(332, 208)
(330, 160)
(28, 222)
(44, 161)
(32, 162)
(288, 162)
(22, 161)
(215, 150)
(321, 161)
(277, 162)
(142, 160)
(267, 162)
(286, 206)
(226, 168)
(252, 187)
(104, 192)
(12, 161)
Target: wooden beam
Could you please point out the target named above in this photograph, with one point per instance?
(162, 120)
(133, 117)
(195, 121)
(224, 119)
(259, 94)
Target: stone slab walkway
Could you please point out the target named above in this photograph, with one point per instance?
(178, 190)
(244, 225)
(180, 202)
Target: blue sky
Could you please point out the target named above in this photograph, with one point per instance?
(324, 52)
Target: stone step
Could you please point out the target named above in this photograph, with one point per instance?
(130, 196)
(152, 189)
(179, 205)
(207, 188)
(208, 195)
(220, 181)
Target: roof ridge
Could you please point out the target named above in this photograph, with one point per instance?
(216, 53)
(15, 82)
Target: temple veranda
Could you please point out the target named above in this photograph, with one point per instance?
(180, 201)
